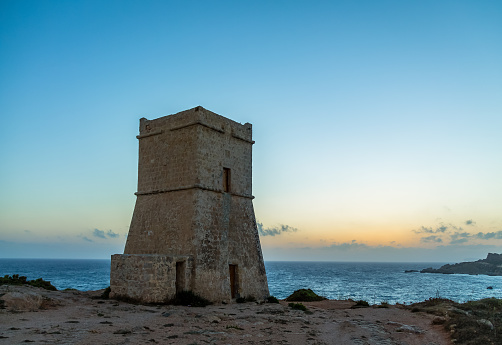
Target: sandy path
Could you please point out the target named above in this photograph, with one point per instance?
(75, 318)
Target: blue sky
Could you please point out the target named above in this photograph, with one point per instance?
(377, 123)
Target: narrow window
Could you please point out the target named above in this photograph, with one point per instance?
(180, 276)
(233, 280)
(226, 180)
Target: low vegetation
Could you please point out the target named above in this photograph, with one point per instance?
(470, 323)
(245, 299)
(272, 299)
(190, 299)
(305, 295)
(15, 279)
(360, 304)
(106, 293)
(383, 304)
(235, 327)
(298, 306)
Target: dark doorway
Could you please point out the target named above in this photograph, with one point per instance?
(233, 280)
(180, 276)
(226, 180)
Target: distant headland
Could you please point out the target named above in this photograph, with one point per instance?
(491, 266)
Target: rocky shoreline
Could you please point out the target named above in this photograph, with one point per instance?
(32, 314)
(491, 266)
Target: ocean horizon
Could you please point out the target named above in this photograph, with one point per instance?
(374, 282)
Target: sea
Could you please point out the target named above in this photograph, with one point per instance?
(370, 281)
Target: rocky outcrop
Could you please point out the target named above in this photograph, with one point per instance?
(16, 300)
(22, 298)
(491, 266)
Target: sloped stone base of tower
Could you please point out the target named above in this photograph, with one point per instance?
(225, 260)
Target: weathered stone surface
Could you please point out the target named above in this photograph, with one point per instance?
(16, 299)
(134, 274)
(194, 213)
(28, 298)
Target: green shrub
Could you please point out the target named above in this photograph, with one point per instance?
(304, 295)
(106, 293)
(22, 280)
(298, 306)
(384, 304)
(235, 327)
(190, 299)
(272, 299)
(434, 301)
(361, 304)
(483, 305)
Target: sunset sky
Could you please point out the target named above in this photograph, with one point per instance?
(378, 124)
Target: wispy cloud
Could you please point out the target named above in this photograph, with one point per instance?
(278, 230)
(464, 236)
(489, 235)
(347, 246)
(104, 235)
(87, 239)
(432, 238)
(459, 241)
(112, 234)
(429, 230)
(454, 235)
(460, 235)
(442, 228)
(98, 233)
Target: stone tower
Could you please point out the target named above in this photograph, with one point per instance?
(193, 226)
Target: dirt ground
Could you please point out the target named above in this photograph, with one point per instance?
(73, 317)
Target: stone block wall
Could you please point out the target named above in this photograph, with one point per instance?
(148, 278)
(163, 224)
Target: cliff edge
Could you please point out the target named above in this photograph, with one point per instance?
(491, 266)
